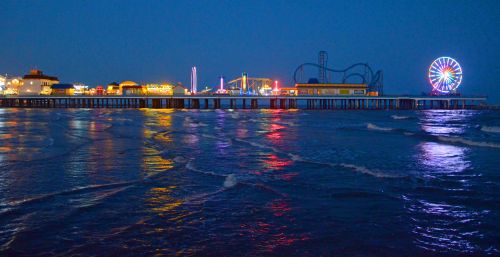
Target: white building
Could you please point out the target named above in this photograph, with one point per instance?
(36, 83)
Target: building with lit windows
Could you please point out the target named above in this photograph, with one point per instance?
(288, 91)
(62, 89)
(12, 85)
(37, 83)
(2, 84)
(331, 89)
(129, 87)
(133, 90)
(113, 89)
(81, 89)
(160, 89)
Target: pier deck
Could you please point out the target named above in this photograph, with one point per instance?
(248, 102)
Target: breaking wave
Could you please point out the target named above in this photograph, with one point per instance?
(375, 127)
(190, 167)
(490, 129)
(365, 170)
(468, 142)
(230, 181)
(399, 117)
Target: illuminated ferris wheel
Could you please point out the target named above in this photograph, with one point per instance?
(445, 75)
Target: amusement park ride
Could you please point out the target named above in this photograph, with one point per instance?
(357, 73)
(445, 76)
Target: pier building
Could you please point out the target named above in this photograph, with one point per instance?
(37, 83)
(113, 88)
(2, 83)
(331, 89)
(13, 85)
(133, 90)
(62, 90)
(160, 89)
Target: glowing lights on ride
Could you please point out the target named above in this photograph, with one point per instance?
(244, 77)
(445, 75)
(194, 80)
(221, 89)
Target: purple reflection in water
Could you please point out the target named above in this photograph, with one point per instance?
(442, 158)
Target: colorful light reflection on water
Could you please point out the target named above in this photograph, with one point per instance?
(233, 183)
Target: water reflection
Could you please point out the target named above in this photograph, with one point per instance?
(445, 122)
(440, 158)
(153, 161)
(444, 227)
(161, 201)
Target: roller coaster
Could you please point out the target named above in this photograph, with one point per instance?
(359, 71)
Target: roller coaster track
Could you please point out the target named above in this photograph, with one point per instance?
(373, 80)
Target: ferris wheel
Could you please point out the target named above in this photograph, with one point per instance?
(445, 75)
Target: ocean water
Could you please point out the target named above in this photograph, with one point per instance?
(249, 183)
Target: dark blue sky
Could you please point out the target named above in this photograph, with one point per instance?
(97, 42)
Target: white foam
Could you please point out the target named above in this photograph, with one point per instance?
(295, 157)
(230, 181)
(259, 145)
(364, 170)
(398, 117)
(375, 127)
(468, 142)
(490, 129)
(190, 166)
(180, 159)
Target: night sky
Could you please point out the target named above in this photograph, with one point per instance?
(96, 42)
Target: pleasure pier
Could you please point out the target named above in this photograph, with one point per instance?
(249, 102)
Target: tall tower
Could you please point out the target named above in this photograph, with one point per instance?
(322, 62)
(194, 80)
(221, 83)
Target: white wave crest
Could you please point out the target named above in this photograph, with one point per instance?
(230, 181)
(398, 117)
(295, 157)
(375, 127)
(180, 159)
(259, 145)
(364, 170)
(190, 167)
(490, 129)
(468, 142)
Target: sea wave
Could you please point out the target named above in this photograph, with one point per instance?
(490, 129)
(365, 170)
(230, 181)
(375, 127)
(191, 167)
(468, 142)
(180, 159)
(259, 145)
(399, 117)
(17, 202)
